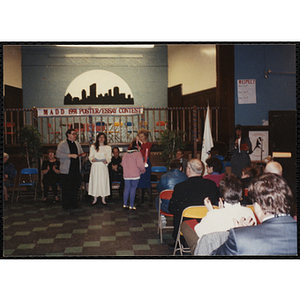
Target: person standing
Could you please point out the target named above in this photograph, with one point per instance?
(145, 180)
(133, 166)
(50, 171)
(240, 148)
(70, 152)
(100, 157)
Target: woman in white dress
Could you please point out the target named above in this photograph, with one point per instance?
(100, 157)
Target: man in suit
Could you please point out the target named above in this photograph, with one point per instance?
(277, 233)
(184, 161)
(70, 152)
(191, 192)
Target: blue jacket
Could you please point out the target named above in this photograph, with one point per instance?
(170, 179)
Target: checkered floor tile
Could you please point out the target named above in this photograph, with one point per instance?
(44, 229)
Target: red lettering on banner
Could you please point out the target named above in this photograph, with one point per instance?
(62, 111)
(56, 111)
(51, 112)
(72, 111)
(45, 112)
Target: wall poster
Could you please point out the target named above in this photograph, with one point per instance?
(246, 91)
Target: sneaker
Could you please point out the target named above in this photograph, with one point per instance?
(132, 208)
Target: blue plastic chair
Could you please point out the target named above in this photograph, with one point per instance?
(158, 169)
(32, 173)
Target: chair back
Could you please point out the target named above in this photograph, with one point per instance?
(100, 126)
(166, 194)
(29, 171)
(160, 123)
(195, 212)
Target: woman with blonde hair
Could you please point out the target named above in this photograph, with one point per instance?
(145, 179)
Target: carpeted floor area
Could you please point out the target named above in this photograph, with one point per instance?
(44, 229)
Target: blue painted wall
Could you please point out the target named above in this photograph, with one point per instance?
(47, 71)
(277, 92)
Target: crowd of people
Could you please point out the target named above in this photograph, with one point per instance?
(229, 227)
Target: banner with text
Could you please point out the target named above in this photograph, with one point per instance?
(91, 111)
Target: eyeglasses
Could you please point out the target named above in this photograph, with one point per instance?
(74, 133)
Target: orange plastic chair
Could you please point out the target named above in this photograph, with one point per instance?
(55, 133)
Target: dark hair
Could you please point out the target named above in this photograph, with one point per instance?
(135, 145)
(69, 131)
(51, 151)
(215, 163)
(175, 164)
(97, 143)
(272, 194)
(250, 171)
(231, 188)
(112, 150)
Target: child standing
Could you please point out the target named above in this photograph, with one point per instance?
(133, 167)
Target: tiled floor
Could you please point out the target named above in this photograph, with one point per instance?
(44, 229)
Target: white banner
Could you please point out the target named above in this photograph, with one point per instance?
(90, 111)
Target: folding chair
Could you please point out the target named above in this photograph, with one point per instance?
(167, 195)
(192, 212)
(31, 173)
(252, 208)
(56, 134)
(131, 130)
(160, 126)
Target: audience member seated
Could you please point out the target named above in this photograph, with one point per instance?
(116, 171)
(184, 161)
(221, 219)
(8, 174)
(276, 168)
(168, 181)
(248, 174)
(273, 167)
(191, 192)
(50, 171)
(214, 168)
(277, 233)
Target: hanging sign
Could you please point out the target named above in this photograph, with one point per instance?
(246, 91)
(91, 111)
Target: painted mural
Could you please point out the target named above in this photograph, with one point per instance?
(98, 87)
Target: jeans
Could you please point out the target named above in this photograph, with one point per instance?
(164, 205)
(130, 189)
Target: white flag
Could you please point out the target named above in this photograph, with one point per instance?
(207, 142)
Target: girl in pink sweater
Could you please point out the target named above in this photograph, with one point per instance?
(133, 167)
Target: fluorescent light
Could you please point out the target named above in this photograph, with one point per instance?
(109, 46)
(107, 55)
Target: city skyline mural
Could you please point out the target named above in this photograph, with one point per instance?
(98, 87)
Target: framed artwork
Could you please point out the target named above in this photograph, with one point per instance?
(259, 137)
